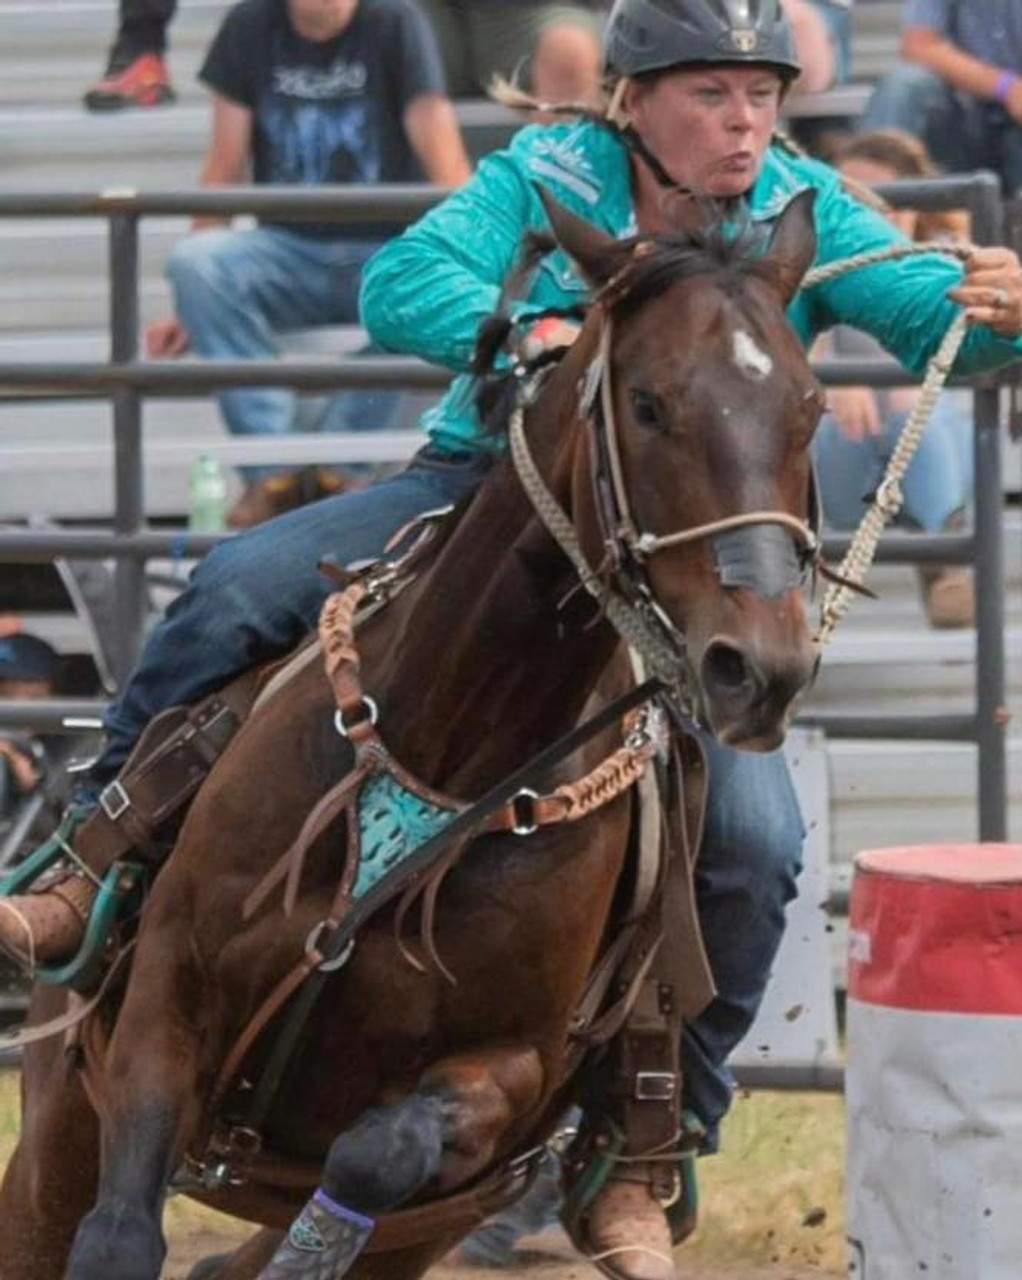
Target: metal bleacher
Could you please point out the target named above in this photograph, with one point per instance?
(55, 457)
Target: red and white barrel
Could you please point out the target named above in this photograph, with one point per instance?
(934, 1076)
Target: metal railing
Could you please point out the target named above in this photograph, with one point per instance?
(126, 379)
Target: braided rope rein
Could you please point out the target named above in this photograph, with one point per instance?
(886, 504)
(888, 499)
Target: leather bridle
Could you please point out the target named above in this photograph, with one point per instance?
(629, 547)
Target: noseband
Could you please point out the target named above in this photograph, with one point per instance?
(743, 557)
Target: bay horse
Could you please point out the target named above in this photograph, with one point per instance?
(485, 658)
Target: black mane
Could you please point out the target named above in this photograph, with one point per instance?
(647, 265)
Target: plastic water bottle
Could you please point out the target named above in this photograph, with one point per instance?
(207, 496)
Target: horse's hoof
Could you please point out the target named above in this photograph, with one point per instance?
(117, 1242)
(628, 1234)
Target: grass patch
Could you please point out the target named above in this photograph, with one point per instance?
(9, 1112)
(775, 1192)
(773, 1195)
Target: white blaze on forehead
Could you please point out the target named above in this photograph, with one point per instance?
(751, 359)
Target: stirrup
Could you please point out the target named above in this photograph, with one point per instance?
(122, 883)
(594, 1168)
(58, 846)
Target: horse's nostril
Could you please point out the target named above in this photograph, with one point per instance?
(726, 668)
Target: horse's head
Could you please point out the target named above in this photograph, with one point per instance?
(702, 408)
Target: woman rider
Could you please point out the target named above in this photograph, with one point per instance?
(697, 87)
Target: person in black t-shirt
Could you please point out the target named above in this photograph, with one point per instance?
(304, 92)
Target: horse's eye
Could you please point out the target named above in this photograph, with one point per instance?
(646, 407)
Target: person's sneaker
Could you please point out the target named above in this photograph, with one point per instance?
(329, 482)
(264, 499)
(949, 597)
(144, 81)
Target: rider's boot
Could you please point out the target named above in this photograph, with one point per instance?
(47, 925)
(112, 839)
(628, 1232)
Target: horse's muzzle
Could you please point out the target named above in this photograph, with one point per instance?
(747, 698)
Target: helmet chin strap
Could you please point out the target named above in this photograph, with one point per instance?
(638, 146)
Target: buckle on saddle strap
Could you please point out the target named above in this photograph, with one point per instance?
(114, 800)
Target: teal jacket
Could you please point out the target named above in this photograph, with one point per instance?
(426, 292)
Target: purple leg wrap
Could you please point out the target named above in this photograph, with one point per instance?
(322, 1243)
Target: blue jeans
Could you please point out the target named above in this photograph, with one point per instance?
(961, 132)
(938, 481)
(256, 595)
(236, 291)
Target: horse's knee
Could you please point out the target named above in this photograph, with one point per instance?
(448, 1131)
(387, 1156)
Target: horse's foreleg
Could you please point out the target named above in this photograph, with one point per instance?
(50, 1181)
(440, 1136)
(149, 1106)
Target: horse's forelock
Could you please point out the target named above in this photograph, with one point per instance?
(656, 262)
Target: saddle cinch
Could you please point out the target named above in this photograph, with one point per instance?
(654, 964)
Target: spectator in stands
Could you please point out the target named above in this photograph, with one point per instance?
(307, 91)
(855, 440)
(554, 49)
(959, 85)
(136, 73)
(822, 30)
(28, 669)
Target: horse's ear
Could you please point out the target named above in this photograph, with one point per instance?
(793, 244)
(591, 249)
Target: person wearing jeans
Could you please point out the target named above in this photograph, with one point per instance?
(304, 93)
(958, 86)
(236, 291)
(857, 438)
(697, 99)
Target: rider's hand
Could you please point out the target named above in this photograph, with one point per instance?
(166, 338)
(856, 411)
(991, 290)
(548, 335)
(24, 768)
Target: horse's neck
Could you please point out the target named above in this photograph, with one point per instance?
(495, 651)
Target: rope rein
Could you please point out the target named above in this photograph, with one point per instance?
(888, 499)
(662, 660)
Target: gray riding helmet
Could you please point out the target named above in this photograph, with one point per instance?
(651, 35)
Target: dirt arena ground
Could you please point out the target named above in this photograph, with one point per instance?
(190, 1242)
(770, 1204)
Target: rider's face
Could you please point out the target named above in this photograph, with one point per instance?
(709, 127)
